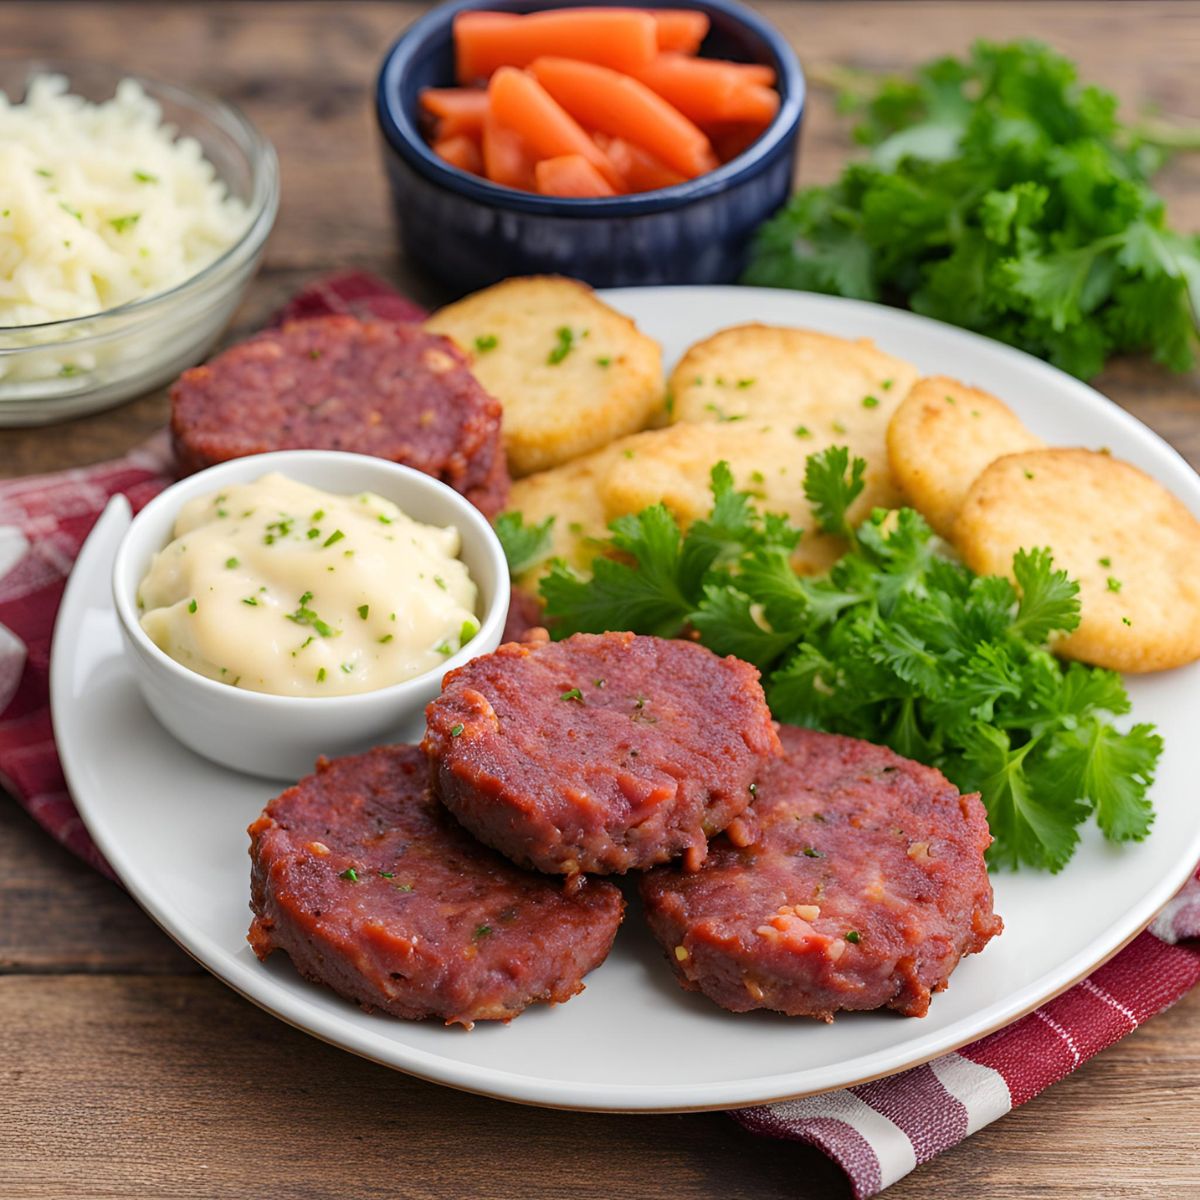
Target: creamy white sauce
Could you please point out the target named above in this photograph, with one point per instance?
(278, 587)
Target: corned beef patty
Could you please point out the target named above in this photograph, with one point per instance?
(863, 888)
(368, 885)
(600, 752)
(391, 390)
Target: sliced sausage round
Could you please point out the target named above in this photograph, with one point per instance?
(864, 885)
(371, 888)
(391, 390)
(600, 752)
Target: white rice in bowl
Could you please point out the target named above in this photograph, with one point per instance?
(101, 204)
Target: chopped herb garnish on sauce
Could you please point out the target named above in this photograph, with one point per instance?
(870, 402)
(349, 874)
(1113, 584)
(563, 347)
(192, 607)
(145, 177)
(250, 600)
(854, 937)
(485, 342)
(604, 361)
(573, 694)
(364, 610)
(440, 582)
(321, 675)
(482, 931)
(120, 224)
(335, 537)
(812, 852)
(387, 874)
(455, 730)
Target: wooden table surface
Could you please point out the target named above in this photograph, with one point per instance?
(127, 1071)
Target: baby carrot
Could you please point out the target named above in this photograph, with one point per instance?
(680, 28)
(460, 151)
(706, 90)
(639, 168)
(621, 106)
(520, 103)
(569, 175)
(506, 159)
(485, 41)
(458, 110)
(755, 104)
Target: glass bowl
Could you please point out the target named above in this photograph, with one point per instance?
(60, 369)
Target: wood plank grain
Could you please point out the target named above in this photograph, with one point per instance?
(175, 1087)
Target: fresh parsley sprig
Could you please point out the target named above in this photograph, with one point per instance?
(898, 644)
(1003, 195)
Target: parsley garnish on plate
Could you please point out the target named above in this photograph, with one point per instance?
(525, 546)
(1003, 195)
(897, 644)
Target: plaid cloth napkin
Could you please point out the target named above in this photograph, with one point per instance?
(877, 1132)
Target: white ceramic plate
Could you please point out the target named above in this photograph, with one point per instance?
(173, 826)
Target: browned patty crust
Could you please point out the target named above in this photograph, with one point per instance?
(370, 887)
(863, 888)
(600, 752)
(391, 390)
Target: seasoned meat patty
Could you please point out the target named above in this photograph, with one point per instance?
(600, 752)
(388, 389)
(863, 887)
(369, 886)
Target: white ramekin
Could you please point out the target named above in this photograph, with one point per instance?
(281, 736)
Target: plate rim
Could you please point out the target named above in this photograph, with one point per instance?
(297, 1010)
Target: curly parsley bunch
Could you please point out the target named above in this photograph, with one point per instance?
(1004, 196)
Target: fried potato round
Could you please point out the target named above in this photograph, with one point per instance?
(570, 372)
(767, 459)
(753, 372)
(1133, 547)
(941, 437)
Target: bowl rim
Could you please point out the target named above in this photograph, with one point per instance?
(134, 541)
(263, 204)
(401, 133)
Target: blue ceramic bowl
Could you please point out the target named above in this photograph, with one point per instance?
(470, 233)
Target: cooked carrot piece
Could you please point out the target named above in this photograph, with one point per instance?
(520, 103)
(758, 73)
(706, 89)
(506, 159)
(680, 28)
(458, 110)
(486, 41)
(753, 103)
(639, 168)
(460, 151)
(569, 175)
(621, 106)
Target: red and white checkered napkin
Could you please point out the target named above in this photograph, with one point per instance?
(877, 1132)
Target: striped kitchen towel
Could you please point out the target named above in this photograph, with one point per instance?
(877, 1132)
